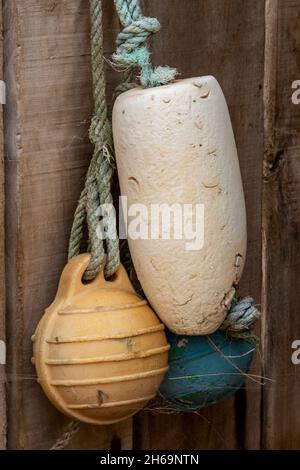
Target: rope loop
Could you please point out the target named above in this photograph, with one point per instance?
(95, 207)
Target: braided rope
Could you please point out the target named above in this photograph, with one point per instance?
(132, 51)
(96, 195)
(70, 431)
(240, 319)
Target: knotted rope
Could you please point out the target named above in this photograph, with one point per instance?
(132, 51)
(240, 320)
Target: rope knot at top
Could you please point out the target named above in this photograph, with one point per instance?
(137, 33)
(131, 48)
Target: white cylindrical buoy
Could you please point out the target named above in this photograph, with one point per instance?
(178, 166)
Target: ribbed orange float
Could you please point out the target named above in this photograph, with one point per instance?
(100, 352)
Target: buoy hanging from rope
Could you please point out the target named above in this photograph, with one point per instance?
(100, 352)
(175, 150)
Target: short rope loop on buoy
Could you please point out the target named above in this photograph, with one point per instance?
(241, 319)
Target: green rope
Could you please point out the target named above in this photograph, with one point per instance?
(97, 191)
(132, 51)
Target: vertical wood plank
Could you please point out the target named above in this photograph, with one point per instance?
(225, 39)
(281, 226)
(47, 63)
(2, 265)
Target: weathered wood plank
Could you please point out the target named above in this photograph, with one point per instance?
(2, 265)
(224, 39)
(281, 226)
(47, 61)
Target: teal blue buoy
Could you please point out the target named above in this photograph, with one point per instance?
(205, 370)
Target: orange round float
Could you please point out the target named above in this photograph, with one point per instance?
(100, 352)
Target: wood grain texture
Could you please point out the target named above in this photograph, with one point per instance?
(224, 39)
(2, 260)
(281, 226)
(48, 73)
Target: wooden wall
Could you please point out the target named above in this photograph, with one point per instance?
(281, 226)
(2, 263)
(47, 70)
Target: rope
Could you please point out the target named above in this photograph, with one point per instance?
(96, 195)
(132, 51)
(240, 320)
(70, 431)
